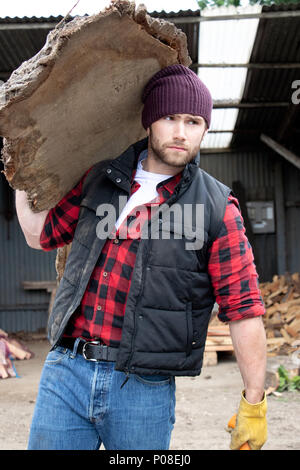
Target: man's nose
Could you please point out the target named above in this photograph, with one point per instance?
(179, 130)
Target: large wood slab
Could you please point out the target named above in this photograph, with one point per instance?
(78, 101)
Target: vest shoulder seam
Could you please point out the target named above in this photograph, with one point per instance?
(96, 170)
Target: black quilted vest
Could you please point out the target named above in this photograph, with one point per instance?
(171, 296)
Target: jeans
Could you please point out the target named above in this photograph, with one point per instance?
(81, 404)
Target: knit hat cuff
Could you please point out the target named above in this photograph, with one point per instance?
(175, 90)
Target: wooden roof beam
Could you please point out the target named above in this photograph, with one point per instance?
(219, 104)
(260, 66)
(245, 16)
(26, 26)
(281, 150)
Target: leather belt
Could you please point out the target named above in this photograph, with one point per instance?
(91, 350)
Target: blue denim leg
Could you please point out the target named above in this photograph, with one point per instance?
(61, 416)
(81, 404)
(141, 415)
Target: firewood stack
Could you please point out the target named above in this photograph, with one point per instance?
(11, 349)
(282, 318)
(281, 297)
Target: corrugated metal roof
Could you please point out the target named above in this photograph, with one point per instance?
(56, 19)
(277, 41)
(175, 14)
(190, 29)
(30, 20)
(18, 45)
(232, 44)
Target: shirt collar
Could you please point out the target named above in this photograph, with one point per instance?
(165, 188)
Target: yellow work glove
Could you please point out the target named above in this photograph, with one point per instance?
(251, 424)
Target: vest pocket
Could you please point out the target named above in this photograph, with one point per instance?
(153, 379)
(164, 331)
(200, 319)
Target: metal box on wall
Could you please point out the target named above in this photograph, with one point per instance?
(261, 215)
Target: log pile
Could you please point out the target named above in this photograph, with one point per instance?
(11, 349)
(282, 319)
(281, 297)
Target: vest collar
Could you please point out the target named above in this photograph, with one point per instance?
(120, 169)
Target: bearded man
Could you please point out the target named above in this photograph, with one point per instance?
(131, 312)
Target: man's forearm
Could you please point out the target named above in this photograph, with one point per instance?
(31, 223)
(249, 341)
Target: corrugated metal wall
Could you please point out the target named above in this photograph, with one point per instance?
(27, 310)
(20, 309)
(256, 172)
(291, 176)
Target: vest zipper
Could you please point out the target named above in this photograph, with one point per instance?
(134, 322)
(127, 378)
(174, 196)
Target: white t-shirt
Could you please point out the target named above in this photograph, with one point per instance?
(146, 192)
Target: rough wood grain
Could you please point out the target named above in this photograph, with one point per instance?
(78, 100)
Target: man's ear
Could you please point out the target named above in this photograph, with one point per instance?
(148, 131)
(205, 132)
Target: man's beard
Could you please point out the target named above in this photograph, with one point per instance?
(172, 158)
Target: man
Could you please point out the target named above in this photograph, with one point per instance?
(132, 309)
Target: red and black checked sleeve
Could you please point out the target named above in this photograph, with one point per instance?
(232, 269)
(61, 220)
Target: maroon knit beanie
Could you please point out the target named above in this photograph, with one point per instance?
(175, 90)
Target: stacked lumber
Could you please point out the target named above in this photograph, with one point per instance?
(11, 349)
(218, 339)
(282, 319)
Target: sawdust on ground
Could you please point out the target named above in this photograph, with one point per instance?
(204, 405)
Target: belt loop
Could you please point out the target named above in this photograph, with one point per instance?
(74, 352)
(105, 352)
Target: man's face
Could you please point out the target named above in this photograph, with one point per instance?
(175, 139)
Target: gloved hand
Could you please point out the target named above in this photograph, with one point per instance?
(251, 424)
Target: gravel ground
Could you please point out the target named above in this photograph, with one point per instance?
(204, 405)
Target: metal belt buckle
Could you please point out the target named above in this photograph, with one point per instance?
(83, 350)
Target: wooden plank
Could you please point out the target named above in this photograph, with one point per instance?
(222, 347)
(275, 341)
(215, 331)
(210, 358)
(295, 325)
(36, 285)
(291, 331)
(219, 340)
(286, 336)
(17, 350)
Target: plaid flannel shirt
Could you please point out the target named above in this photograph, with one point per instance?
(100, 315)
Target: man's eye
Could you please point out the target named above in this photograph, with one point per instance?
(193, 122)
(168, 118)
